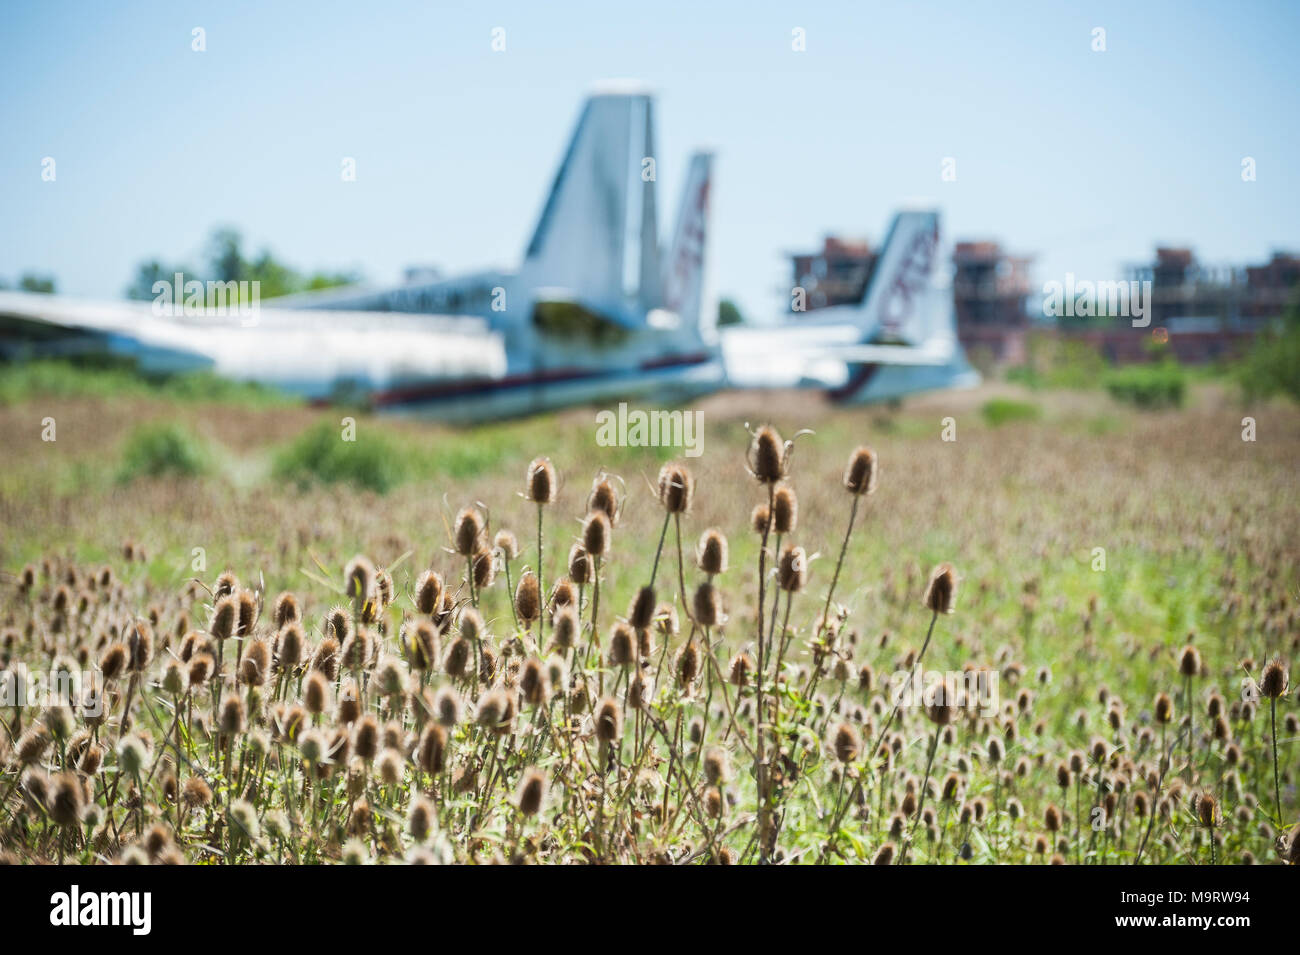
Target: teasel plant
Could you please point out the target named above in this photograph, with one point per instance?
(540, 489)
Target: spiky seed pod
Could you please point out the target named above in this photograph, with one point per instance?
(226, 585)
(707, 605)
(253, 667)
(579, 566)
(496, 712)
(528, 598)
(711, 553)
(315, 693)
(507, 543)
(89, 761)
(349, 704)
(1052, 819)
(767, 457)
(604, 497)
(202, 668)
(1189, 661)
(742, 665)
(666, 620)
(468, 530)
(532, 682)
(532, 791)
(595, 534)
(428, 592)
(447, 706)
(459, 658)
(847, 744)
(225, 617)
(365, 738)
(139, 645)
(231, 717)
(289, 646)
(609, 720)
(564, 593)
(326, 659)
(247, 603)
(687, 664)
(196, 793)
(941, 591)
(286, 610)
(564, 627)
(861, 471)
(941, 707)
(1207, 810)
(717, 768)
(432, 750)
(356, 650)
(758, 519)
(622, 646)
(541, 484)
(1164, 708)
(714, 803)
(485, 569)
(676, 488)
(641, 613)
(424, 647)
(884, 855)
(31, 746)
(422, 819)
(1273, 682)
(792, 570)
(338, 624)
(995, 749)
(113, 663)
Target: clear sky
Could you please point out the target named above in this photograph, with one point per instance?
(1084, 159)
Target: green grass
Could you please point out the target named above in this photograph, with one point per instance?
(25, 381)
(156, 450)
(1000, 411)
(1158, 385)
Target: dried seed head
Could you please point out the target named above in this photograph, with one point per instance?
(507, 543)
(196, 794)
(485, 568)
(785, 510)
(286, 610)
(338, 624)
(687, 664)
(579, 566)
(428, 592)
(595, 535)
(365, 737)
(711, 553)
(468, 530)
(532, 682)
(565, 627)
(641, 613)
(792, 571)
(622, 646)
(532, 791)
(758, 519)
(139, 645)
(604, 497)
(202, 668)
(113, 663)
(1207, 810)
(447, 706)
(496, 711)
(564, 593)
(349, 704)
(1273, 682)
(422, 819)
(424, 647)
(541, 481)
(225, 617)
(767, 457)
(717, 768)
(247, 602)
(676, 488)
(226, 585)
(433, 749)
(609, 720)
(1189, 661)
(315, 693)
(860, 473)
(458, 661)
(256, 663)
(66, 799)
(289, 646)
(742, 665)
(1164, 708)
(528, 598)
(941, 591)
(231, 721)
(326, 659)
(707, 605)
(847, 743)
(941, 706)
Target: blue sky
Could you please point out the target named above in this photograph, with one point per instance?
(1084, 159)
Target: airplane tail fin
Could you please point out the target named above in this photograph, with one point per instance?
(684, 291)
(598, 232)
(896, 306)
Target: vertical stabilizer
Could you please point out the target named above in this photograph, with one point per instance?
(686, 257)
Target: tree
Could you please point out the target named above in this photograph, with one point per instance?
(729, 313)
(1272, 365)
(31, 282)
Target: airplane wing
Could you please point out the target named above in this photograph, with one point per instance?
(931, 353)
(303, 351)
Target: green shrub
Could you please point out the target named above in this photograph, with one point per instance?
(373, 461)
(999, 411)
(153, 450)
(1158, 385)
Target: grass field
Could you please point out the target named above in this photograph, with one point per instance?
(1123, 579)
